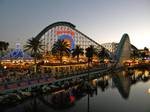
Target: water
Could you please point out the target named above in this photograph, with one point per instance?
(116, 92)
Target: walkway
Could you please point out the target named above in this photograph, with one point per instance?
(10, 87)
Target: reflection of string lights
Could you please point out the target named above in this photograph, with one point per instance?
(13, 62)
(72, 99)
(46, 61)
(5, 67)
(148, 91)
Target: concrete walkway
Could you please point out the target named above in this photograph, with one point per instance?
(38, 82)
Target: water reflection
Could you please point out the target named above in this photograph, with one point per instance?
(122, 83)
(139, 75)
(33, 106)
(59, 100)
(72, 99)
(102, 82)
(68, 98)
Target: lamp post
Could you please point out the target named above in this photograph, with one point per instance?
(88, 110)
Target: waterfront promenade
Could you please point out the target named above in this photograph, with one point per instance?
(7, 87)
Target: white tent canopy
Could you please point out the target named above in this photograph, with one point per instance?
(17, 54)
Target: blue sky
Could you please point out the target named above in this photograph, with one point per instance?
(102, 20)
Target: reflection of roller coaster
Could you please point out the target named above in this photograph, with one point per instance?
(121, 80)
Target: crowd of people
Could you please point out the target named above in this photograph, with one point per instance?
(16, 76)
(11, 75)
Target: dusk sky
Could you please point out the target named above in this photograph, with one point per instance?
(102, 20)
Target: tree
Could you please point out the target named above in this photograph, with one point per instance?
(77, 51)
(90, 52)
(135, 54)
(146, 49)
(3, 47)
(103, 54)
(60, 48)
(35, 46)
(144, 53)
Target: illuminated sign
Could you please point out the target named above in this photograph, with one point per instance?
(65, 32)
(68, 39)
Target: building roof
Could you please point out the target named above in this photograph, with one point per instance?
(17, 54)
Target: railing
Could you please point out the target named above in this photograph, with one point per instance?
(36, 81)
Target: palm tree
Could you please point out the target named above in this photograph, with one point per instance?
(60, 48)
(90, 52)
(77, 51)
(35, 46)
(144, 53)
(3, 47)
(103, 54)
(135, 54)
(146, 49)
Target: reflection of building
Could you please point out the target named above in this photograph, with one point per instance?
(123, 83)
(110, 46)
(67, 32)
